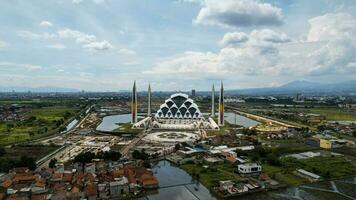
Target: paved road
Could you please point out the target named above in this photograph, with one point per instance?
(133, 143)
(44, 162)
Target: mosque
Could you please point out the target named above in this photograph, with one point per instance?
(179, 112)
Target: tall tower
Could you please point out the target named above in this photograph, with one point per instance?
(149, 100)
(134, 104)
(213, 101)
(221, 105)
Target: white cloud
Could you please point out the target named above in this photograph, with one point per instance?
(233, 38)
(2, 44)
(35, 36)
(46, 24)
(337, 26)
(98, 46)
(270, 55)
(77, 1)
(56, 46)
(11, 66)
(127, 52)
(237, 13)
(87, 41)
(94, 1)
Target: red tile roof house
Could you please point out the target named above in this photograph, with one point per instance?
(59, 192)
(75, 193)
(91, 191)
(2, 195)
(18, 183)
(118, 187)
(38, 197)
(140, 177)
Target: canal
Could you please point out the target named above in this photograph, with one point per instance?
(176, 184)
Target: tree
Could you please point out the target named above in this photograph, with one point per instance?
(27, 162)
(66, 115)
(2, 151)
(52, 163)
(109, 155)
(86, 157)
(240, 152)
(273, 159)
(140, 155)
(177, 147)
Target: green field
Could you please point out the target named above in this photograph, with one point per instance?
(13, 154)
(126, 128)
(34, 151)
(335, 114)
(209, 177)
(331, 113)
(327, 167)
(44, 121)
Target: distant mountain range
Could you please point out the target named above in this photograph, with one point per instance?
(304, 87)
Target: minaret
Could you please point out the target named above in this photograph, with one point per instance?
(134, 104)
(221, 105)
(213, 101)
(149, 101)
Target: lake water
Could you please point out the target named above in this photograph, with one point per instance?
(109, 123)
(233, 118)
(337, 189)
(176, 184)
(71, 125)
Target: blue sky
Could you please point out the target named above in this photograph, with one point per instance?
(103, 45)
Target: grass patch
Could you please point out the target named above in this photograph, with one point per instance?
(34, 151)
(44, 121)
(126, 128)
(210, 177)
(327, 167)
(291, 179)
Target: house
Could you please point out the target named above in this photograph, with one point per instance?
(89, 168)
(148, 181)
(103, 191)
(228, 157)
(59, 192)
(91, 191)
(39, 186)
(308, 175)
(76, 193)
(213, 160)
(249, 168)
(331, 144)
(119, 187)
(225, 185)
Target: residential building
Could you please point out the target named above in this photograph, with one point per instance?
(249, 168)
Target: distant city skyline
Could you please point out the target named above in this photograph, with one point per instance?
(104, 45)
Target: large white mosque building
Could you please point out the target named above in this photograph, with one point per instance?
(179, 112)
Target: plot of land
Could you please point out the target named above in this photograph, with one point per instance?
(44, 121)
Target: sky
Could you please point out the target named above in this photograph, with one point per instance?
(104, 45)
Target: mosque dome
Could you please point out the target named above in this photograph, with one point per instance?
(179, 106)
